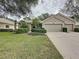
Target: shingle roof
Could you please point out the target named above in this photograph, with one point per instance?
(7, 21)
(61, 17)
(66, 17)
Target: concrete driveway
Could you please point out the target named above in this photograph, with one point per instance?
(66, 43)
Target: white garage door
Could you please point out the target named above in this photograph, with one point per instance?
(69, 27)
(53, 27)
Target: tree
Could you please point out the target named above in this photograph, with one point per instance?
(35, 23)
(76, 17)
(15, 24)
(26, 18)
(43, 16)
(23, 24)
(72, 8)
(16, 7)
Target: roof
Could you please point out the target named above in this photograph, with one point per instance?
(6, 21)
(61, 17)
(9, 19)
(52, 16)
(66, 17)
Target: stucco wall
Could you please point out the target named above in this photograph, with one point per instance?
(3, 26)
(4, 22)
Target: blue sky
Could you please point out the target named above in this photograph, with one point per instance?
(48, 6)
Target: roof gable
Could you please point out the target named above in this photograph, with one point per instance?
(52, 20)
(65, 18)
(59, 18)
(6, 21)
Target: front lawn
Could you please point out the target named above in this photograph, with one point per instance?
(23, 46)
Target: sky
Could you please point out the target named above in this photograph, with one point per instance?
(45, 6)
(48, 6)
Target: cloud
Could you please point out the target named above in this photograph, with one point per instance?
(48, 6)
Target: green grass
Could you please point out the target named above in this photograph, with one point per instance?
(23, 46)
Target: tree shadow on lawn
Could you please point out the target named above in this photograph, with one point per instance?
(36, 34)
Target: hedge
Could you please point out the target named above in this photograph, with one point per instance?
(21, 30)
(6, 30)
(40, 30)
(40, 25)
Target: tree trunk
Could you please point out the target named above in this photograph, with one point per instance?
(15, 24)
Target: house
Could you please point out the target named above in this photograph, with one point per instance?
(55, 23)
(7, 23)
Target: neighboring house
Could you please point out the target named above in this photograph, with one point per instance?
(55, 23)
(7, 23)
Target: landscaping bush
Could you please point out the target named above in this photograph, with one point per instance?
(64, 29)
(22, 30)
(6, 30)
(40, 25)
(76, 29)
(40, 30)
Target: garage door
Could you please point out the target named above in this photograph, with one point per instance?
(53, 27)
(69, 27)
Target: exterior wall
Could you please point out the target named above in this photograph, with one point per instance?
(3, 26)
(11, 27)
(69, 27)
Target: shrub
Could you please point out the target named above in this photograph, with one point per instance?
(6, 30)
(23, 24)
(40, 30)
(35, 23)
(76, 29)
(22, 30)
(40, 25)
(64, 29)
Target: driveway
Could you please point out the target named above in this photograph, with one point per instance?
(66, 43)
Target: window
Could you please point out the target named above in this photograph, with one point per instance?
(7, 26)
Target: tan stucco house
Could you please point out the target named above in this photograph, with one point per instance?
(7, 23)
(55, 23)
